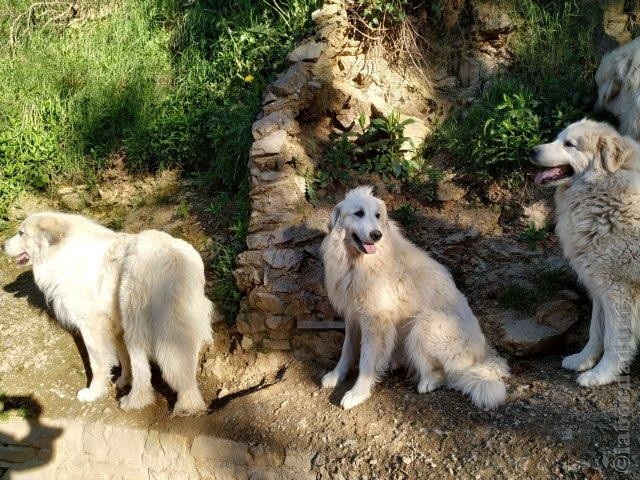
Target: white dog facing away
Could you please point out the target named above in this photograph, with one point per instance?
(618, 80)
(596, 172)
(133, 298)
(390, 293)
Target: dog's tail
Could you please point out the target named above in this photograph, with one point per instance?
(482, 381)
(182, 300)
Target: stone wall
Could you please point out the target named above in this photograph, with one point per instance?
(67, 448)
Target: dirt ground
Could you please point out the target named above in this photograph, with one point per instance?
(549, 428)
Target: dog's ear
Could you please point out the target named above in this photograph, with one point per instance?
(335, 216)
(382, 209)
(610, 89)
(613, 152)
(53, 230)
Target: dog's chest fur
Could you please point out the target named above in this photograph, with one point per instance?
(598, 225)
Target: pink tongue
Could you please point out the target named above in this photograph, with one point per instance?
(22, 259)
(369, 247)
(546, 174)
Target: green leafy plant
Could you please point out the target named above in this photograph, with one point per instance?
(379, 13)
(534, 235)
(224, 251)
(380, 148)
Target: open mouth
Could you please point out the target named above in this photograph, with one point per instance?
(363, 246)
(23, 258)
(553, 175)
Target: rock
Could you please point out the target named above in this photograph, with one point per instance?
(559, 315)
(292, 80)
(449, 191)
(247, 277)
(469, 70)
(461, 236)
(277, 322)
(276, 344)
(540, 214)
(307, 52)
(280, 120)
(417, 131)
(283, 258)
(491, 19)
(73, 202)
(525, 335)
(265, 301)
(246, 343)
(270, 145)
(252, 322)
(325, 13)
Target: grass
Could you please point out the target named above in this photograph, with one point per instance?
(225, 250)
(549, 85)
(164, 83)
(170, 83)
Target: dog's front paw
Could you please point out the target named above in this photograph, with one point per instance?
(331, 379)
(91, 395)
(354, 398)
(430, 384)
(596, 377)
(137, 400)
(578, 362)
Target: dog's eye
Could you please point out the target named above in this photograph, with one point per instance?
(20, 232)
(377, 215)
(567, 143)
(359, 213)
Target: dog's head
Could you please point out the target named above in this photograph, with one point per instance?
(36, 235)
(362, 219)
(585, 149)
(618, 81)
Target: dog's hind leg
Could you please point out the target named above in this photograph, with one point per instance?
(125, 364)
(378, 341)
(141, 393)
(347, 357)
(592, 351)
(430, 374)
(179, 363)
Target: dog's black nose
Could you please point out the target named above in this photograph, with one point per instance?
(375, 235)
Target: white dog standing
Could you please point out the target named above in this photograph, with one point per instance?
(618, 81)
(133, 298)
(596, 172)
(390, 292)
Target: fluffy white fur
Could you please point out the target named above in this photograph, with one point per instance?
(618, 80)
(396, 295)
(133, 298)
(598, 223)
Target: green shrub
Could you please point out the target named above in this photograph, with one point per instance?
(548, 86)
(379, 149)
(381, 13)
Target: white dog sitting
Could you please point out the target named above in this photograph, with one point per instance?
(390, 292)
(133, 298)
(596, 172)
(618, 80)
